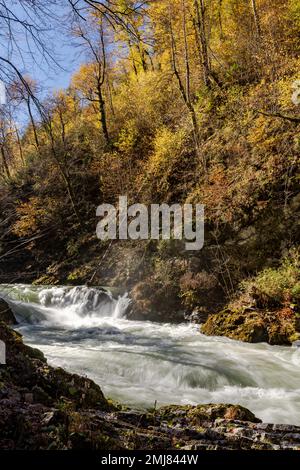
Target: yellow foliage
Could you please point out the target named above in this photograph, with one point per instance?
(32, 215)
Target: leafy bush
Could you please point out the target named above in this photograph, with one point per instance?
(296, 293)
(276, 286)
(168, 150)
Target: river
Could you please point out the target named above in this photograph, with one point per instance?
(85, 331)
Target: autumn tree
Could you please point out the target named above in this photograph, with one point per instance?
(92, 78)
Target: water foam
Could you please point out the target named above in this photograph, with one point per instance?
(66, 307)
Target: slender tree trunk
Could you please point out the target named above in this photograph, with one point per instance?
(256, 18)
(186, 53)
(142, 56)
(201, 30)
(131, 54)
(102, 74)
(110, 95)
(185, 97)
(102, 112)
(33, 124)
(141, 49)
(220, 19)
(64, 174)
(4, 162)
(63, 128)
(150, 59)
(71, 194)
(20, 145)
(67, 181)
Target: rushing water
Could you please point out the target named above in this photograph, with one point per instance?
(85, 331)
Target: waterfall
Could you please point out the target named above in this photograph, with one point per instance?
(70, 307)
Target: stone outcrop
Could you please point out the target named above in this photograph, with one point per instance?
(28, 377)
(278, 327)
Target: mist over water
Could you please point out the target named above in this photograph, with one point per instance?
(85, 330)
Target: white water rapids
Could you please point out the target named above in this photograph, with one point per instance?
(84, 330)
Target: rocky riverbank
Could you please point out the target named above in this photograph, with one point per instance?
(266, 310)
(42, 407)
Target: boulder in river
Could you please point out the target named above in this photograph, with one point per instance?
(278, 327)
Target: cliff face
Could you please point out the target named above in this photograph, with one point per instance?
(46, 408)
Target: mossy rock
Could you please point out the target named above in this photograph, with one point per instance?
(276, 328)
(196, 415)
(28, 368)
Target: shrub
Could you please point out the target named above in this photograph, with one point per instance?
(169, 147)
(276, 286)
(296, 294)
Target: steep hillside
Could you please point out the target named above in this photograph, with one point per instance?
(200, 106)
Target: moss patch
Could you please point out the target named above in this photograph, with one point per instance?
(279, 327)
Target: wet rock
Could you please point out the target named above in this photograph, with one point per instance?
(198, 316)
(202, 413)
(28, 368)
(276, 327)
(40, 396)
(6, 314)
(54, 418)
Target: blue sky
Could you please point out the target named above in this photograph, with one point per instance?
(58, 77)
(61, 46)
(27, 57)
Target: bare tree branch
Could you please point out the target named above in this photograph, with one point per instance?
(295, 119)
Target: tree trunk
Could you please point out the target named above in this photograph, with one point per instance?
(110, 95)
(132, 57)
(4, 162)
(142, 56)
(102, 112)
(186, 53)
(67, 181)
(184, 95)
(64, 174)
(71, 194)
(19, 145)
(256, 18)
(220, 19)
(33, 124)
(201, 30)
